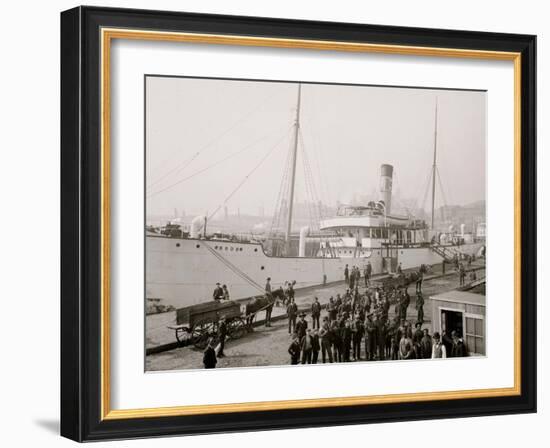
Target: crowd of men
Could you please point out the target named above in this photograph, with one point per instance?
(357, 326)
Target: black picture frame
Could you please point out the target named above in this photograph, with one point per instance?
(81, 224)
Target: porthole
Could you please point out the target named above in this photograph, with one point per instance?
(226, 248)
(216, 247)
(177, 244)
(256, 250)
(262, 268)
(232, 249)
(197, 246)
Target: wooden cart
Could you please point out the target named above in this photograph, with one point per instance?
(197, 323)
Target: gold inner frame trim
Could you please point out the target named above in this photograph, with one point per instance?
(107, 35)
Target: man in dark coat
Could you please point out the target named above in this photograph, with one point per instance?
(306, 345)
(292, 312)
(294, 350)
(209, 356)
(370, 338)
(357, 329)
(426, 345)
(218, 292)
(316, 313)
(332, 309)
(447, 342)
(336, 338)
(301, 326)
(346, 341)
(381, 330)
(222, 334)
(346, 274)
(325, 334)
(458, 349)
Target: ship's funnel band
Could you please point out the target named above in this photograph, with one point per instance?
(386, 180)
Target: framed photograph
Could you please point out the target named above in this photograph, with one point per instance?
(272, 223)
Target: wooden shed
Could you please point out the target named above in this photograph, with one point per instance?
(463, 312)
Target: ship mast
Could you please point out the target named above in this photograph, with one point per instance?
(293, 176)
(434, 166)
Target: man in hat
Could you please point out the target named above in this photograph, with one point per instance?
(222, 334)
(357, 330)
(209, 356)
(418, 333)
(301, 325)
(346, 340)
(368, 273)
(346, 274)
(294, 350)
(336, 339)
(426, 344)
(292, 312)
(332, 309)
(325, 334)
(315, 313)
(438, 348)
(218, 292)
(459, 349)
(306, 345)
(268, 287)
(370, 338)
(381, 330)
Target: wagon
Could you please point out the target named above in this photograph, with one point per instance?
(195, 324)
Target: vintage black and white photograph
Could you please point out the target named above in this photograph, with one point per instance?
(296, 223)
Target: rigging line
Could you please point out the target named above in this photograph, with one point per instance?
(422, 187)
(309, 194)
(276, 219)
(426, 191)
(248, 175)
(196, 173)
(317, 152)
(320, 147)
(234, 268)
(445, 202)
(307, 189)
(309, 172)
(185, 164)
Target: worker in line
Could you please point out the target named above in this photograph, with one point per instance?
(292, 312)
(316, 313)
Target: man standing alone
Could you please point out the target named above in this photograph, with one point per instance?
(292, 311)
(316, 313)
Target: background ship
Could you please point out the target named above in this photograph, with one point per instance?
(183, 266)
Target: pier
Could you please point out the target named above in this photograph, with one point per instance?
(268, 345)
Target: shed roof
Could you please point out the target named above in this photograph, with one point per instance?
(455, 296)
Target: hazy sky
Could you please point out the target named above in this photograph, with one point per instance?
(194, 125)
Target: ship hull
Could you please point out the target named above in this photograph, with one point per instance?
(183, 272)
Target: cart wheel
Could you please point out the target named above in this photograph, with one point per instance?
(201, 332)
(236, 328)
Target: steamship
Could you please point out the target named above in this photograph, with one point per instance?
(183, 270)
